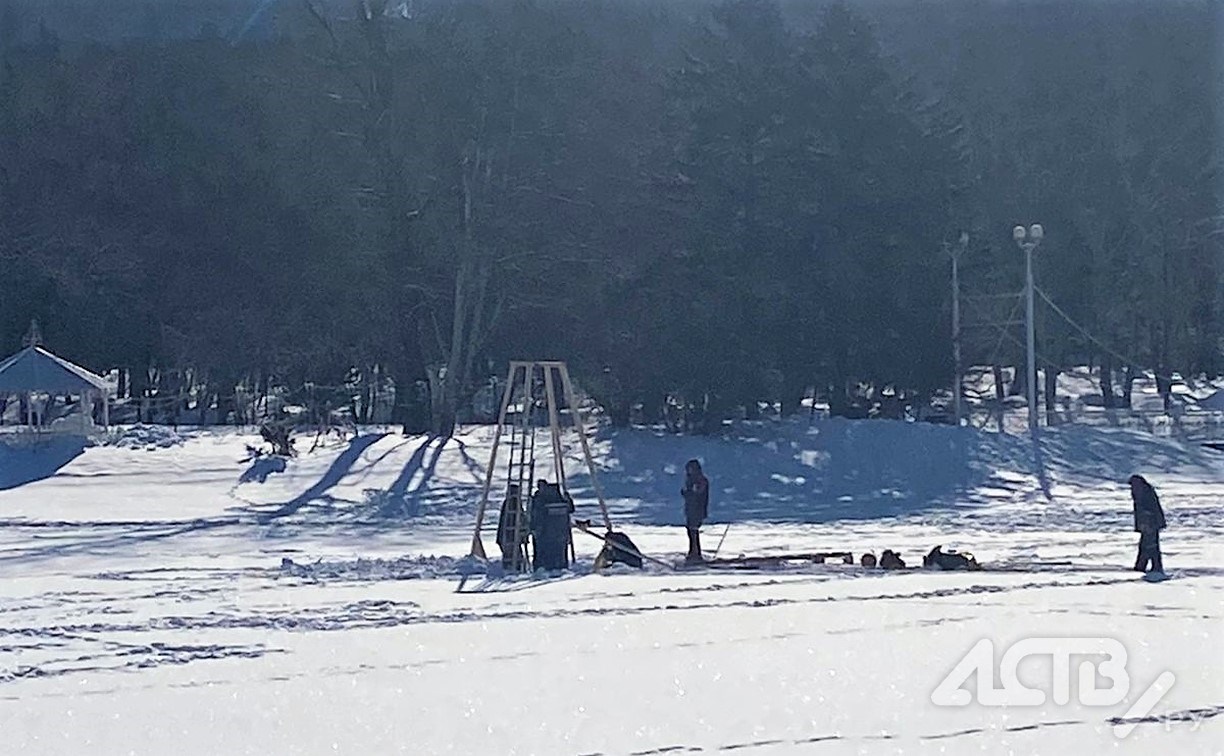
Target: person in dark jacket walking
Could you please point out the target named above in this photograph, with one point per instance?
(696, 493)
(1149, 521)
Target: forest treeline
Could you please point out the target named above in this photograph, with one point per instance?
(702, 204)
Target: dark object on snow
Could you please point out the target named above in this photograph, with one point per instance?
(277, 434)
(891, 560)
(584, 526)
(512, 531)
(1149, 521)
(696, 493)
(776, 561)
(618, 548)
(939, 559)
(550, 526)
(868, 560)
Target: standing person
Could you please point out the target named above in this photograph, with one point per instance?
(696, 493)
(1149, 521)
(512, 531)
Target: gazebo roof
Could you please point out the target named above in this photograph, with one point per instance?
(1213, 403)
(36, 369)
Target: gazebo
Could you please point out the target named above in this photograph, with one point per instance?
(34, 370)
(1213, 403)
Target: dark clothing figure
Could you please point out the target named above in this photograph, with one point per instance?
(1149, 552)
(1149, 521)
(939, 559)
(512, 531)
(891, 560)
(696, 493)
(550, 526)
(618, 548)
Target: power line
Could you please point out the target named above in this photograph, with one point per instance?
(1041, 357)
(1001, 325)
(1084, 332)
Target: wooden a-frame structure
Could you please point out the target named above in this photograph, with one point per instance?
(515, 416)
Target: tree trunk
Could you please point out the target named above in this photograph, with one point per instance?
(1128, 385)
(619, 413)
(443, 406)
(752, 409)
(1000, 394)
(227, 403)
(1051, 396)
(1107, 390)
(1019, 384)
(140, 392)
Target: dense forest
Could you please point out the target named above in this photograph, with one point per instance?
(710, 205)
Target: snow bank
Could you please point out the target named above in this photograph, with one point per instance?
(837, 469)
(796, 471)
(145, 437)
(405, 568)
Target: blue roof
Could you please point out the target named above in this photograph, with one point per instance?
(36, 369)
(1213, 403)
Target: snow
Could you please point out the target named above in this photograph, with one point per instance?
(145, 437)
(172, 595)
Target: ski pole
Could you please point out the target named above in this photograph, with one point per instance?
(720, 541)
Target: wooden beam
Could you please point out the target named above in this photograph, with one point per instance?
(554, 426)
(586, 448)
(477, 545)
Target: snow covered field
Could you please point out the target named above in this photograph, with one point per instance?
(147, 608)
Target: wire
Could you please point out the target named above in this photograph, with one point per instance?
(1084, 332)
(1040, 357)
(1002, 329)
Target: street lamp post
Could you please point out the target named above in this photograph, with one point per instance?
(955, 253)
(1028, 241)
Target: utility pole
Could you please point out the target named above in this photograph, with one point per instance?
(958, 380)
(1028, 241)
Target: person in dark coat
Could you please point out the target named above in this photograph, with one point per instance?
(1149, 521)
(550, 525)
(512, 531)
(891, 560)
(696, 493)
(939, 559)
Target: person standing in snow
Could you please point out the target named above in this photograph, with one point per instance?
(512, 531)
(1149, 521)
(696, 493)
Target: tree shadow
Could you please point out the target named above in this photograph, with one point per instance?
(405, 494)
(43, 459)
(131, 534)
(477, 470)
(1041, 470)
(801, 473)
(338, 470)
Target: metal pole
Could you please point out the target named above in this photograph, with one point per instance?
(1031, 338)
